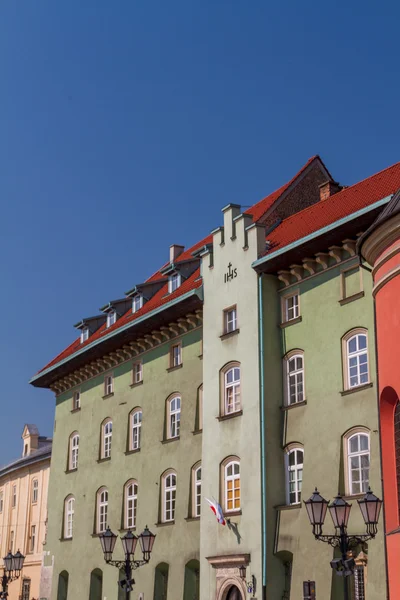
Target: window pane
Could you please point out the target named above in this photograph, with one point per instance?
(362, 342)
(353, 344)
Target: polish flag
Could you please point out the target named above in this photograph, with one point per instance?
(217, 510)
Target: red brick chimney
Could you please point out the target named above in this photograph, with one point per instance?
(328, 188)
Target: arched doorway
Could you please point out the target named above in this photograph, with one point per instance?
(62, 591)
(191, 589)
(161, 582)
(96, 585)
(234, 593)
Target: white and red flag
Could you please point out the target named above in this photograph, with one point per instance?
(217, 510)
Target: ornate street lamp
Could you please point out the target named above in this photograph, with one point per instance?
(129, 542)
(13, 564)
(339, 509)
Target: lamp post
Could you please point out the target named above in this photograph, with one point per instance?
(13, 564)
(339, 509)
(129, 542)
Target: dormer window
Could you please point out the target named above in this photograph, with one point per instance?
(137, 303)
(174, 282)
(111, 318)
(84, 334)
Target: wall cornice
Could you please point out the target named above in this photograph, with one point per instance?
(380, 239)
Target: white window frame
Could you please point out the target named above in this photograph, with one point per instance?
(1, 500)
(76, 400)
(111, 318)
(230, 319)
(108, 384)
(355, 432)
(137, 303)
(84, 334)
(32, 539)
(232, 391)
(234, 478)
(106, 438)
(69, 511)
(73, 451)
(174, 406)
(131, 496)
(297, 470)
(196, 490)
(102, 509)
(356, 355)
(14, 496)
(12, 540)
(136, 429)
(200, 409)
(295, 378)
(35, 491)
(174, 282)
(137, 372)
(176, 355)
(169, 496)
(290, 304)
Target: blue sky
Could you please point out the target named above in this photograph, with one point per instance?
(126, 126)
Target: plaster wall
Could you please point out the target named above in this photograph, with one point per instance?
(176, 543)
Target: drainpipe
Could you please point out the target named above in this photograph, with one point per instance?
(263, 450)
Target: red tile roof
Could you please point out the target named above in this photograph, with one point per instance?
(336, 207)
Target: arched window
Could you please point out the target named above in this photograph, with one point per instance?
(355, 358)
(397, 449)
(102, 509)
(294, 374)
(231, 389)
(168, 496)
(69, 509)
(358, 460)
(35, 491)
(106, 438)
(173, 417)
(131, 493)
(73, 450)
(294, 473)
(199, 412)
(196, 490)
(231, 478)
(135, 429)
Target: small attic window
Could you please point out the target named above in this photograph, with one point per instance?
(137, 303)
(111, 318)
(84, 334)
(174, 282)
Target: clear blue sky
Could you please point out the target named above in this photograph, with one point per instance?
(126, 126)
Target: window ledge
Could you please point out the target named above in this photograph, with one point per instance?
(164, 523)
(188, 519)
(233, 513)
(136, 384)
(356, 388)
(197, 431)
(135, 451)
(294, 405)
(75, 410)
(108, 396)
(174, 368)
(63, 539)
(288, 506)
(353, 496)
(291, 322)
(126, 529)
(238, 413)
(96, 535)
(351, 298)
(70, 471)
(200, 356)
(169, 440)
(101, 460)
(229, 334)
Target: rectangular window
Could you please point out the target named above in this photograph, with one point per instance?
(174, 282)
(84, 334)
(291, 307)
(111, 318)
(137, 372)
(32, 538)
(108, 385)
(11, 544)
(77, 400)
(351, 282)
(35, 490)
(26, 589)
(309, 590)
(137, 303)
(1, 501)
(14, 496)
(176, 355)
(359, 583)
(230, 319)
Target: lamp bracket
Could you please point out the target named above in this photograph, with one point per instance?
(121, 564)
(351, 540)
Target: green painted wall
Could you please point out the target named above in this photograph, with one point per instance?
(175, 544)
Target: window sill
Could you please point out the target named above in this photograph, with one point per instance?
(294, 405)
(108, 396)
(188, 519)
(353, 496)
(132, 451)
(75, 410)
(291, 322)
(126, 529)
(356, 388)
(102, 460)
(200, 356)
(233, 513)
(133, 385)
(288, 506)
(197, 431)
(238, 413)
(174, 368)
(68, 471)
(229, 334)
(96, 535)
(63, 539)
(169, 440)
(164, 524)
(351, 298)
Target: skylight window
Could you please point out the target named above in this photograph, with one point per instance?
(137, 303)
(84, 334)
(174, 282)
(111, 318)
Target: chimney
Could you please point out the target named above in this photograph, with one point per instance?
(328, 188)
(174, 252)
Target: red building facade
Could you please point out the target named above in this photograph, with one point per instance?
(380, 247)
